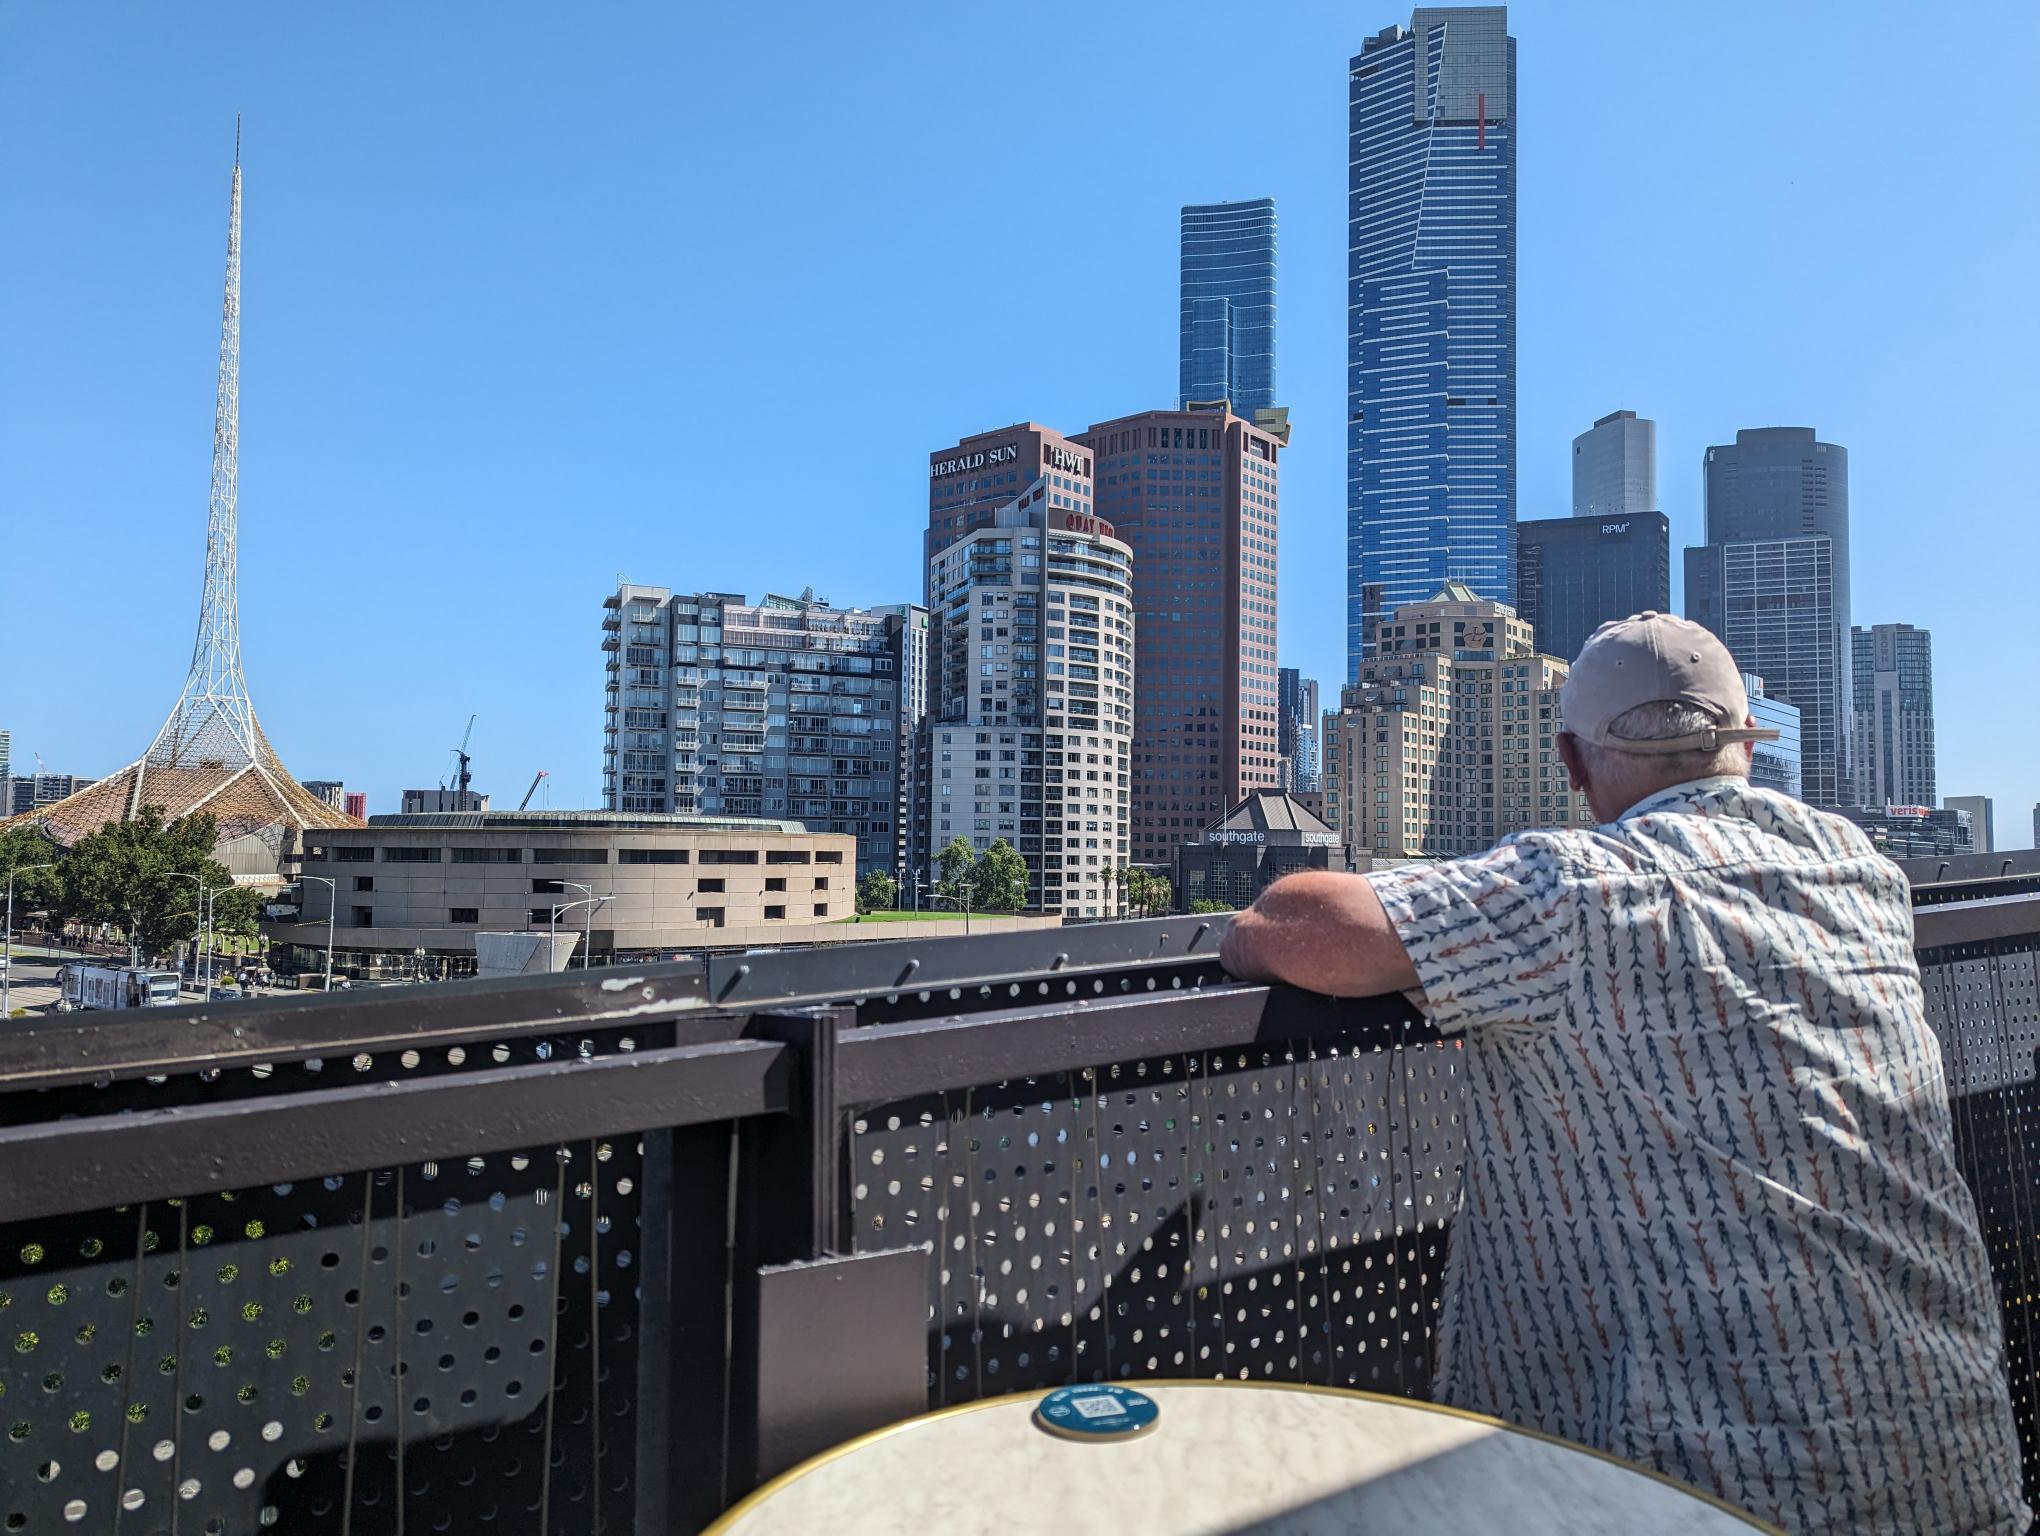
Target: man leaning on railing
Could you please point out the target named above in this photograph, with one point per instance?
(1712, 1220)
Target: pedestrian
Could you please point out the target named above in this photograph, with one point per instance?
(1712, 1221)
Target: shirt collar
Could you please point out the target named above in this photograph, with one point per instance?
(1691, 790)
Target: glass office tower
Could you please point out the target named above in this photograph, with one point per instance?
(1228, 303)
(1431, 314)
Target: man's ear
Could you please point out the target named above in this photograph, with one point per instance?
(1569, 754)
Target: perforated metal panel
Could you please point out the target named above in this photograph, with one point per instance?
(1274, 1213)
(1981, 1001)
(452, 1340)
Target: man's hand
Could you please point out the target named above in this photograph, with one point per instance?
(1323, 932)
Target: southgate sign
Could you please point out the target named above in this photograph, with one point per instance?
(984, 458)
(1310, 839)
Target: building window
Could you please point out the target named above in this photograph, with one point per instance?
(729, 855)
(775, 882)
(821, 909)
(651, 855)
(713, 916)
(775, 912)
(829, 856)
(464, 915)
(785, 856)
(351, 854)
(821, 882)
(714, 887)
(570, 855)
(547, 888)
(364, 917)
(488, 855)
(364, 882)
(410, 855)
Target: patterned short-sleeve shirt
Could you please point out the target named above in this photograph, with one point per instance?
(1712, 1220)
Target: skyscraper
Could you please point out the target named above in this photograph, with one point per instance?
(1296, 729)
(1773, 582)
(1893, 743)
(1228, 305)
(1574, 574)
(1195, 493)
(1030, 699)
(1431, 314)
(1774, 764)
(1614, 467)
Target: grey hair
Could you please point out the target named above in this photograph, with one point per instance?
(1662, 720)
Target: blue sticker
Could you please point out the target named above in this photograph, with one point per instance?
(1097, 1412)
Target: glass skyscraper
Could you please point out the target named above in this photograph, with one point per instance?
(1228, 303)
(1431, 315)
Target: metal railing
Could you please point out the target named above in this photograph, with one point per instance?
(601, 1251)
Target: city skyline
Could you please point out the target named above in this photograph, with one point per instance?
(397, 425)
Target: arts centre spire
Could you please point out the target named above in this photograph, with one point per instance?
(210, 754)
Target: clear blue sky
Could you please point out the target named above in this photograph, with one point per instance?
(538, 295)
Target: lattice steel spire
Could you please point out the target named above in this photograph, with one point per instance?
(214, 721)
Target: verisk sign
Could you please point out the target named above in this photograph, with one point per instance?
(984, 458)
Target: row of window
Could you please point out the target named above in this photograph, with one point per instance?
(397, 854)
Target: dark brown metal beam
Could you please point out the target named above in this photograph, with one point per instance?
(101, 1160)
(1976, 922)
(880, 1062)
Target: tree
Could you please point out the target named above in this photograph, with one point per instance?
(876, 892)
(1001, 879)
(237, 912)
(955, 870)
(128, 874)
(21, 847)
(1201, 906)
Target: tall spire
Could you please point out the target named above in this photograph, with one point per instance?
(214, 722)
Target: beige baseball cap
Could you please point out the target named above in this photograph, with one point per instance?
(1652, 658)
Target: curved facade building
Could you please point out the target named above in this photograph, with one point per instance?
(1228, 305)
(1030, 694)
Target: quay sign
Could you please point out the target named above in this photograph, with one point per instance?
(1083, 522)
(963, 463)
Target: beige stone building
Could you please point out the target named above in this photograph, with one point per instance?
(431, 882)
(1448, 739)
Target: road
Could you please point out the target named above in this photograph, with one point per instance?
(33, 984)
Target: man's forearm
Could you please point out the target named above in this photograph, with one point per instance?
(1323, 932)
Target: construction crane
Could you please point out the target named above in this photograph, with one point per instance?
(541, 774)
(462, 778)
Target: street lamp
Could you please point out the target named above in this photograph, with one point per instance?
(588, 930)
(332, 906)
(206, 893)
(7, 943)
(969, 885)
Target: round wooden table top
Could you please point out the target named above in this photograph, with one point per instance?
(1266, 1458)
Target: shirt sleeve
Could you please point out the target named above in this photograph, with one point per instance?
(1492, 938)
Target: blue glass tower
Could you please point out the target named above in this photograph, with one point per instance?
(1431, 315)
(1228, 302)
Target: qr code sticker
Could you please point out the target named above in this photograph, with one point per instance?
(1099, 1407)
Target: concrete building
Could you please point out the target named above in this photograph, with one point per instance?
(6, 756)
(1773, 582)
(1228, 305)
(1431, 307)
(1982, 819)
(433, 881)
(442, 801)
(329, 792)
(1196, 494)
(1614, 471)
(1892, 747)
(787, 707)
(1774, 764)
(1915, 831)
(1030, 695)
(1574, 574)
(31, 792)
(1447, 741)
(1257, 842)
